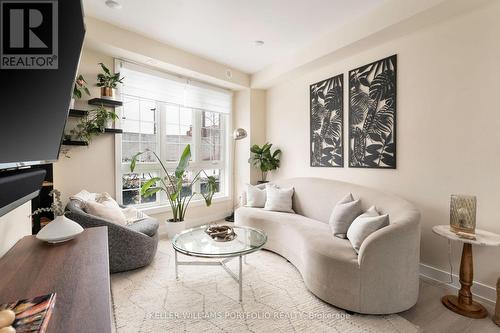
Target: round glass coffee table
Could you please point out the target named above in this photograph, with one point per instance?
(196, 243)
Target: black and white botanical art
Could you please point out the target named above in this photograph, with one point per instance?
(327, 108)
(372, 115)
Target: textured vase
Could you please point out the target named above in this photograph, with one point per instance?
(61, 229)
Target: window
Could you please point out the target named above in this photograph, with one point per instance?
(163, 114)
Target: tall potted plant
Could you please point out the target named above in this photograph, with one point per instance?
(175, 185)
(263, 159)
(108, 82)
(79, 88)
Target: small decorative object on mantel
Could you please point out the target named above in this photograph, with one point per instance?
(221, 233)
(463, 215)
(496, 317)
(108, 82)
(61, 229)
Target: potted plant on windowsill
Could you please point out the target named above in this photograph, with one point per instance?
(108, 82)
(79, 88)
(263, 159)
(173, 185)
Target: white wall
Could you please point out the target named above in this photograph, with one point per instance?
(93, 167)
(448, 138)
(13, 226)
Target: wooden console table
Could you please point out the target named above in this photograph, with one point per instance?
(77, 270)
(463, 303)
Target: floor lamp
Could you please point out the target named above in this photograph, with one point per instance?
(238, 134)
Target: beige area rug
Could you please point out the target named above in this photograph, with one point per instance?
(205, 299)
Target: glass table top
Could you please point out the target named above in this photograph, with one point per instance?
(196, 242)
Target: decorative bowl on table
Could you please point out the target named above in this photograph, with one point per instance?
(220, 233)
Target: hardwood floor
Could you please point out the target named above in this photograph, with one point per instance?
(433, 317)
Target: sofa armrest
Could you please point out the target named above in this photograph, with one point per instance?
(389, 260)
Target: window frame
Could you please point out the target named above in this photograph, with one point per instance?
(224, 165)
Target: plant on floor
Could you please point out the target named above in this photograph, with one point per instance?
(176, 185)
(80, 87)
(56, 207)
(93, 124)
(262, 158)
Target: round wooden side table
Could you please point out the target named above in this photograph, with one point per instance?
(463, 303)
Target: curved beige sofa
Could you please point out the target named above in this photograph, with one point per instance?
(382, 279)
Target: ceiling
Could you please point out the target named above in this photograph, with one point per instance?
(225, 30)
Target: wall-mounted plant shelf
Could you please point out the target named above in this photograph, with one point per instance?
(105, 102)
(77, 113)
(113, 130)
(75, 143)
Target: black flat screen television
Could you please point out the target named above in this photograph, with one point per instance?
(41, 42)
(40, 47)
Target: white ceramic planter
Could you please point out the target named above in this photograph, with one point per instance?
(174, 228)
(61, 229)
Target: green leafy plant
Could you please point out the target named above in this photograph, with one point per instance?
(79, 87)
(93, 124)
(262, 158)
(175, 184)
(106, 79)
(56, 207)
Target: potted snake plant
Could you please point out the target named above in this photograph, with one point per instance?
(177, 187)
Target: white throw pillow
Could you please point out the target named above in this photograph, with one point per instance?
(364, 225)
(106, 200)
(109, 213)
(344, 213)
(279, 199)
(256, 197)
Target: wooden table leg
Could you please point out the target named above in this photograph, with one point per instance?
(496, 317)
(463, 303)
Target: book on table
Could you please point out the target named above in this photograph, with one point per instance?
(32, 314)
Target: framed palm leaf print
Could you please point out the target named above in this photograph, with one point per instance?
(326, 120)
(372, 115)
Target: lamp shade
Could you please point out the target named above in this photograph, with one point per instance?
(239, 134)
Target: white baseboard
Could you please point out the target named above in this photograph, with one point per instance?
(191, 223)
(481, 291)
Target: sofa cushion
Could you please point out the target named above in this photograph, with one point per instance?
(107, 212)
(364, 225)
(256, 197)
(147, 226)
(345, 211)
(279, 199)
(295, 231)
